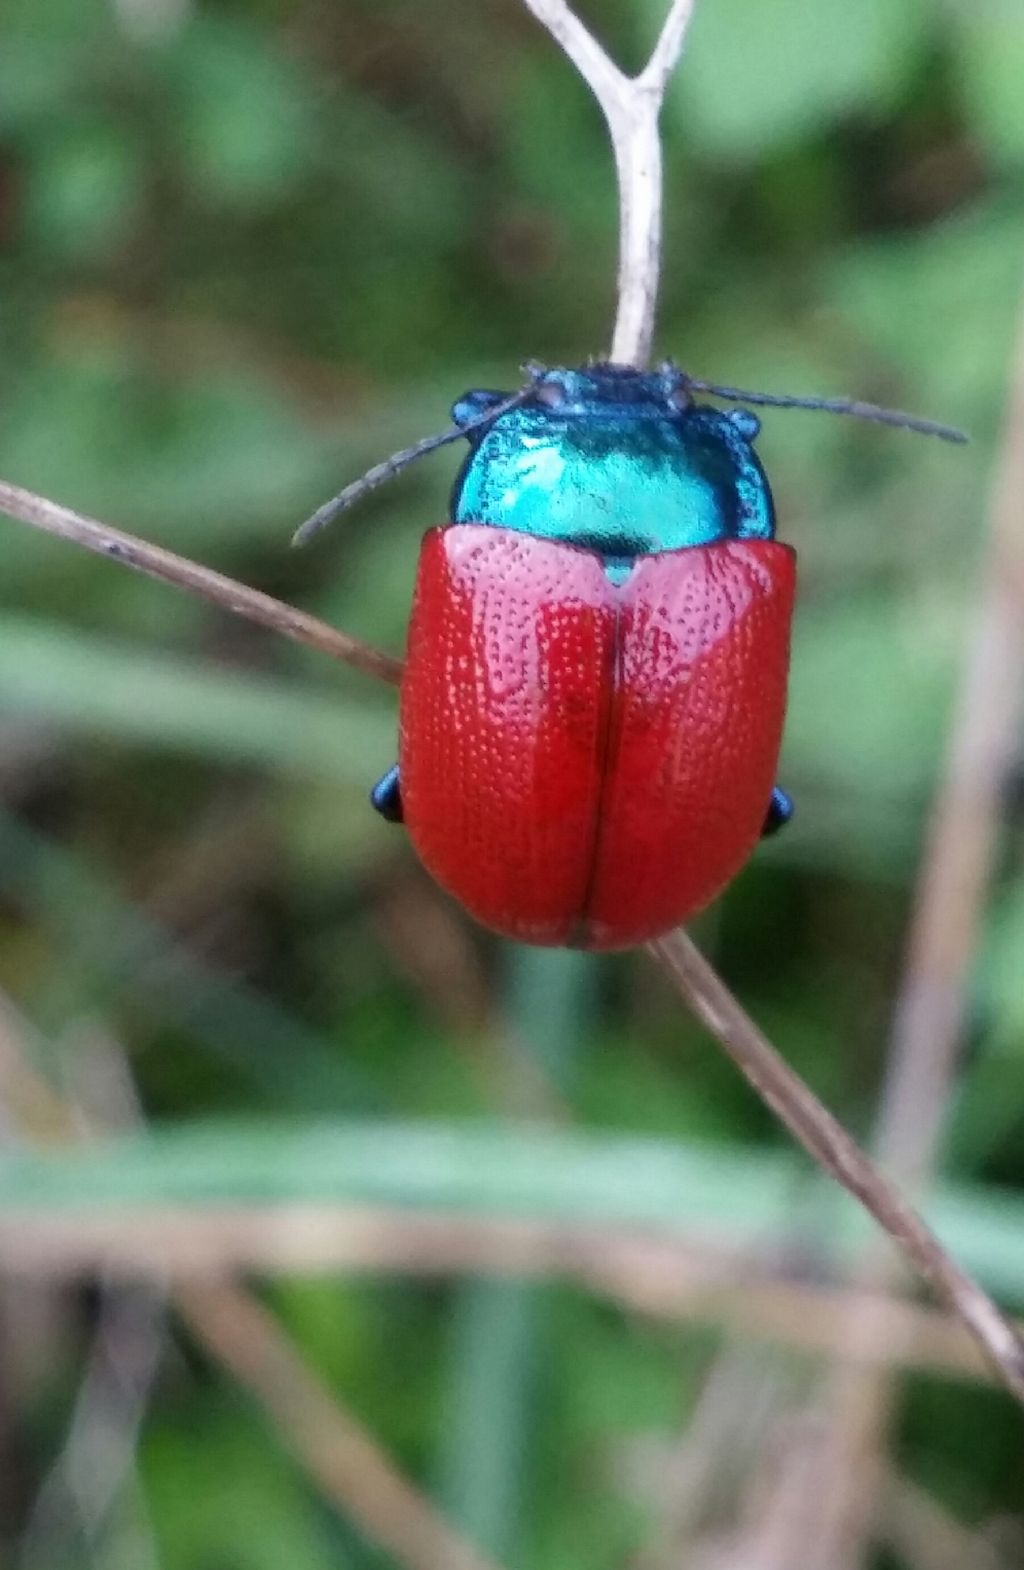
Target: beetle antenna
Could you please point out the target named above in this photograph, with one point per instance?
(397, 462)
(862, 411)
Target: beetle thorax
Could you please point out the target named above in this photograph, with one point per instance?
(606, 458)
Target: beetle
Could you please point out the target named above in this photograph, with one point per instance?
(595, 685)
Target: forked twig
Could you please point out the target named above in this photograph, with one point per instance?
(796, 1105)
(631, 106)
(677, 1277)
(195, 579)
(926, 1535)
(931, 1002)
(782, 1089)
(960, 854)
(342, 1457)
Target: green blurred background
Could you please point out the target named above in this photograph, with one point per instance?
(248, 247)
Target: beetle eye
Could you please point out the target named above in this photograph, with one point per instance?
(679, 397)
(551, 393)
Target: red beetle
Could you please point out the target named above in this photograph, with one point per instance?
(595, 688)
(585, 762)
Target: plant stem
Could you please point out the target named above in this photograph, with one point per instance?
(796, 1106)
(195, 579)
(502, 1346)
(631, 106)
(331, 1444)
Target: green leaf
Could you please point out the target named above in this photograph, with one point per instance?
(1000, 971)
(989, 1104)
(846, 654)
(761, 76)
(989, 62)
(51, 53)
(85, 187)
(218, 455)
(964, 274)
(111, 949)
(242, 111)
(480, 1170)
(257, 1514)
(95, 686)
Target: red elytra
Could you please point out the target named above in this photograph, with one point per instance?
(586, 764)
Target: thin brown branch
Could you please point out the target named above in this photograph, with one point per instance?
(674, 1278)
(597, 69)
(666, 52)
(345, 1461)
(236, 1330)
(89, 1495)
(631, 107)
(928, 1017)
(957, 866)
(203, 582)
(796, 1106)
(96, 1467)
(926, 1536)
(736, 1412)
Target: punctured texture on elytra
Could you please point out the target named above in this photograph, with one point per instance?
(587, 762)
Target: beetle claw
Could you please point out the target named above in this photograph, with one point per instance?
(386, 797)
(780, 810)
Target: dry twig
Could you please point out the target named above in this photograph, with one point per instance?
(203, 582)
(983, 746)
(89, 1500)
(338, 1454)
(631, 106)
(796, 1105)
(332, 1445)
(676, 1278)
(94, 1477)
(926, 1536)
(928, 1016)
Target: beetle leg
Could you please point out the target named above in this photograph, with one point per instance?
(748, 425)
(780, 811)
(468, 409)
(386, 797)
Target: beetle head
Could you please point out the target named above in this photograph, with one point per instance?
(602, 388)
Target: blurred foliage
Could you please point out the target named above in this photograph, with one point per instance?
(246, 248)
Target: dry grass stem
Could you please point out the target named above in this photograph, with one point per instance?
(929, 1012)
(733, 1419)
(238, 1332)
(795, 1104)
(667, 1278)
(983, 745)
(203, 582)
(631, 106)
(347, 1464)
(96, 1467)
(655, 1275)
(926, 1536)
